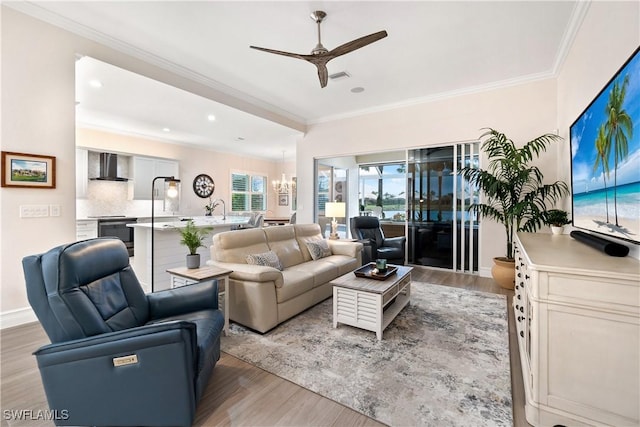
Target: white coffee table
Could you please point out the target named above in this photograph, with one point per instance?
(370, 304)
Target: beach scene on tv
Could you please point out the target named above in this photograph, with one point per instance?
(605, 149)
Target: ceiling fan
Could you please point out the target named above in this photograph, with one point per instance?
(320, 55)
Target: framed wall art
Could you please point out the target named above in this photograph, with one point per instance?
(28, 170)
(283, 200)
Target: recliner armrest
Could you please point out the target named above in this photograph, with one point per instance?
(86, 379)
(185, 299)
(396, 242)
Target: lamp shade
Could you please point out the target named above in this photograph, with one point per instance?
(334, 209)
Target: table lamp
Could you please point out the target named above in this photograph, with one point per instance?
(335, 210)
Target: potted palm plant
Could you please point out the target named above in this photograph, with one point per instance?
(192, 237)
(515, 194)
(557, 219)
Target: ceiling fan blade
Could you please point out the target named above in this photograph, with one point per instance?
(323, 74)
(279, 52)
(356, 44)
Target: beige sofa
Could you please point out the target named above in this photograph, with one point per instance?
(261, 297)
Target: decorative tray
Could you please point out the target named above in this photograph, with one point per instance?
(367, 271)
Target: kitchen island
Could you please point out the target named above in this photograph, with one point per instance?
(169, 253)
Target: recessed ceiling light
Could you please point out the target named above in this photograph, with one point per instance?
(357, 89)
(95, 83)
(211, 118)
(166, 130)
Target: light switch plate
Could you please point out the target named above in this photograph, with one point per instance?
(54, 210)
(34, 211)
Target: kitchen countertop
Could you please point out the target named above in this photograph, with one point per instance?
(199, 221)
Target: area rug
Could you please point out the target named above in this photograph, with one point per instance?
(444, 360)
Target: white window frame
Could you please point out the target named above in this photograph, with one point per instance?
(249, 193)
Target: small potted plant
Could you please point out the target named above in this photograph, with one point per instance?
(192, 238)
(557, 219)
(209, 207)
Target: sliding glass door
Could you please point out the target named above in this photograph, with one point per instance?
(331, 186)
(441, 233)
(415, 193)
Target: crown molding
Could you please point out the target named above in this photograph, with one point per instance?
(40, 13)
(437, 97)
(571, 30)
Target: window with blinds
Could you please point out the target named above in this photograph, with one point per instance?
(248, 192)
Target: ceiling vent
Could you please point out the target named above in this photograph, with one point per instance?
(340, 75)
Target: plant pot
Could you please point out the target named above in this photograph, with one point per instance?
(556, 229)
(504, 272)
(193, 261)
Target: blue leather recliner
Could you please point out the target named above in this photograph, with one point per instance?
(119, 357)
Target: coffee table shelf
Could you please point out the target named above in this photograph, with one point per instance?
(368, 303)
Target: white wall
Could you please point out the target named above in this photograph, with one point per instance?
(38, 117)
(38, 107)
(610, 34)
(522, 112)
(193, 161)
(607, 36)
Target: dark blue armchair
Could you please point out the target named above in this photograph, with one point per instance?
(366, 230)
(119, 357)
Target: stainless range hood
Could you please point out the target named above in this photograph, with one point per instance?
(109, 168)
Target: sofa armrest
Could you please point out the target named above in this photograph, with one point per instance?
(86, 379)
(352, 249)
(253, 273)
(185, 299)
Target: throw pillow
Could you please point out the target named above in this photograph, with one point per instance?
(269, 259)
(318, 249)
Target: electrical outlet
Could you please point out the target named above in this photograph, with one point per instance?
(34, 211)
(54, 210)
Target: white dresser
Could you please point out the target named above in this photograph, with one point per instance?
(577, 316)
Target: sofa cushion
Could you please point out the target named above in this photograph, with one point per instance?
(296, 282)
(234, 246)
(307, 233)
(283, 242)
(268, 259)
(318, 249)
(322, 272)
(345, 264)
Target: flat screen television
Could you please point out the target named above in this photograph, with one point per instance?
(605, 158)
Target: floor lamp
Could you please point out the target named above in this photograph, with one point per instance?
(335, 210)
(171, 192)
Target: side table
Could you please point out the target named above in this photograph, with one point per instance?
(182, 276)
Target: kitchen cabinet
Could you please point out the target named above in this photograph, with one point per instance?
(577, 316)
(145, 169)
(86, 229)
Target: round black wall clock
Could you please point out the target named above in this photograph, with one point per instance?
(203, 185)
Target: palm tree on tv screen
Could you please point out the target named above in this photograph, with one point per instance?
(603, 148)
(619, 129)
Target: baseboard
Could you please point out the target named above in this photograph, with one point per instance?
(17, 317)
(485, 272)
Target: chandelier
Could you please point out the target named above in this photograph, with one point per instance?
(282, 186)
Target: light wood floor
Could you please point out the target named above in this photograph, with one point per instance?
(239, 394)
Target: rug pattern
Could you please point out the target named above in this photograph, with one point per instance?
(443, 361)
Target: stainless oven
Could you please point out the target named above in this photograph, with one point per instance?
(116, 226)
